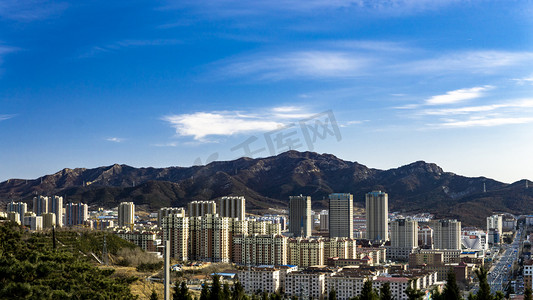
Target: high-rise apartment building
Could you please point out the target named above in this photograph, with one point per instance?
(447, 234)
(494, 228)
(341, 215)
(201, 208)
(267, 249)
(55, 206)
(377, 216)
(233, 207)
(404, 239)
(49, 220)
(176, 230)
(165, 211)
(300, 216)
(324, 220)
(126, 214)
(40, 205)
(76, 214)
(19, 207)
(304, 252)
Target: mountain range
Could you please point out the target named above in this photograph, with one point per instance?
(268, 183)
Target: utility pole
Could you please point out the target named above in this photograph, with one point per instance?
(167, 270)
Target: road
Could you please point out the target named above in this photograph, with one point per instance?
(501, 271)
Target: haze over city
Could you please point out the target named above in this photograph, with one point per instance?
(186, 82)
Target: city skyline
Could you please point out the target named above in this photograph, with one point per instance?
(184, 83)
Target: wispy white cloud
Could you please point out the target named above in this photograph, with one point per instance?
(115, 139)
(30, 10)
(200, 125)
(517, 104)
(456, 96)
(524, 80)
(485, 122)
(117, 46)
(486, 61)
(297, 64)
(6, 117)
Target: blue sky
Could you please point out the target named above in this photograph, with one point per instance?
(177, 83)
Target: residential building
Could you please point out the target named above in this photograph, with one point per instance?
(201, 208)
(307, 284)
(40, 205)
(126, 214)
(304, 252)
(20, 208)
(425, 237)
(300, 224)
(343, 248)
(147, 240)
(49, 220)
(377, 216)
(404, 239)
(76, 214)
(324, 220)
(341, 215)
(175, 228)
(165, 211)
(259, 280)
(14, 216)
(495, 224)
(233, 207)
(259, 250)
(55, 206)
(447, 234)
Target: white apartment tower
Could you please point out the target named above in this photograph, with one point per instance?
(126, 214)
(495, 222)
(76, 214)
(300, 216)
(447, 234)
(19, 207)
(233, 207)
(341, 215)
(55, 206)
(377, 216)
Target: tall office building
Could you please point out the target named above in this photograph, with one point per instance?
(377, 216)
(19, 207)
(76, 214)
(300, 216)
(126, 214)
(55, 206)
(201, 208)
(447, 234)
(341, 215)
(40, 205)
(165, 211)
(233, 207)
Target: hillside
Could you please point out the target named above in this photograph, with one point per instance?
(268, 182)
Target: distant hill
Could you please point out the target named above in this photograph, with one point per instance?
(268, 182)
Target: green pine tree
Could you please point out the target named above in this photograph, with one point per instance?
(484, 287)
(181, 292)
(216, 291)
(332, 295)
(385, 292)
(205, 294)
(368, 293)
(451, 289)
(238, 291)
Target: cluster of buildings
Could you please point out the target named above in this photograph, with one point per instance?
(47, 212)
(312, 252)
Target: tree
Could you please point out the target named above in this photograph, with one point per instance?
(413, 293)
(484, 287)
(451, 290)
(204, 294)
(153, 296)
(238, 291)
(226, 292)
(385, 292)
(216, 291)
(332, 295)
(368, 293)
(181, 292)
(527, 294)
